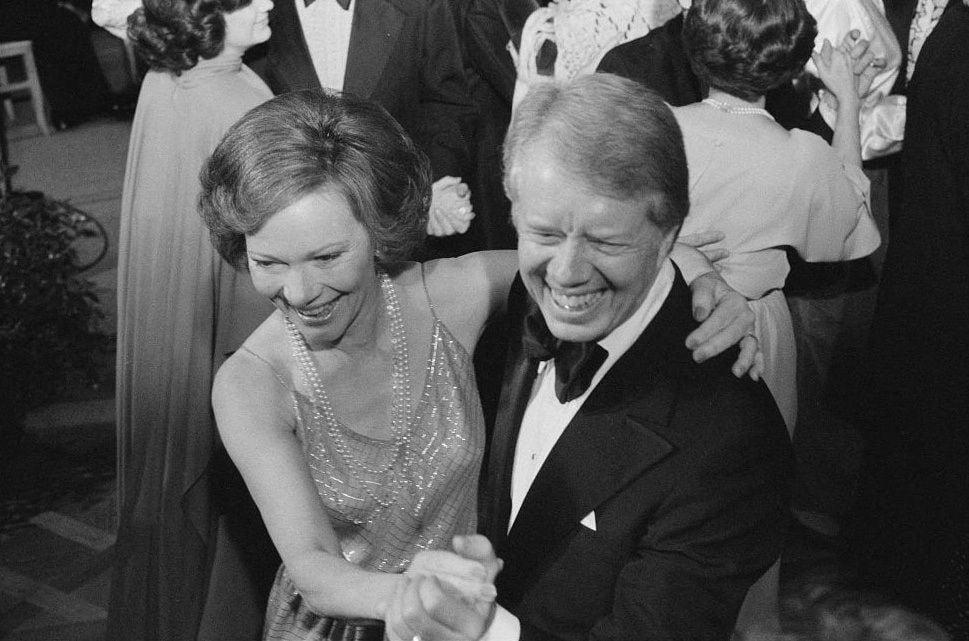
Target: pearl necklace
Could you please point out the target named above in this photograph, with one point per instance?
(737, 109)
(394, 472)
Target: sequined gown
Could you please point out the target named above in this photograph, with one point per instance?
(381, 526)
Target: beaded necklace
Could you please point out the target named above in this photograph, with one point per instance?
(737, 109)
(393, 474)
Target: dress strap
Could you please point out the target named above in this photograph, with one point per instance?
(430, 303)
(279, 377)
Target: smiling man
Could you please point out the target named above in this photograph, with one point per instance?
(631, 492)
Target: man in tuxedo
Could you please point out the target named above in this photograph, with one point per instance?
(402, 54)
(632, 493)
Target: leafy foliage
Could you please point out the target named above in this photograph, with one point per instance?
(49, 315)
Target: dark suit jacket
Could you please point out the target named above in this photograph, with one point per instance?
(686, 468)
(657, 60)
(403, 55)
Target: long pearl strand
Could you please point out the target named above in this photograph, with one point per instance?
(323, 415)
(737, 109)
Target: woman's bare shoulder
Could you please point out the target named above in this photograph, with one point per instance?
(259, 370)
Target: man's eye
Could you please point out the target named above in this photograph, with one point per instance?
(545, 237)
(325, 258)
(607, 247)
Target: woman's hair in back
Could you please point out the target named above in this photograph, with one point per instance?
(748, 47)
(822, 612)
(304, 141)
(171, 35)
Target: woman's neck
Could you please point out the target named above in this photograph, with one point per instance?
(369, 330)
(732, 100)
(228, 53)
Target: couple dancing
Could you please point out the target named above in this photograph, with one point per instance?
(631, 491)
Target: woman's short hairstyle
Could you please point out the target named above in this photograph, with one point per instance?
(305, 141)
(171, 35)
(614, 134)
(748, 47)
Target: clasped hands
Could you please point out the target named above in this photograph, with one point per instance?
(445, 596)
(451, 211)
(847, 70)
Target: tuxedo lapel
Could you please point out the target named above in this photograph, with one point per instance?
(595, 457)
(291, 65)
(616, 436)
(519, 375)
(376, 26)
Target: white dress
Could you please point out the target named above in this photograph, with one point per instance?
(766, 189)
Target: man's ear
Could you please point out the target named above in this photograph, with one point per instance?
(666, 245)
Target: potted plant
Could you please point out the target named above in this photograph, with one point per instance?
(49, 315)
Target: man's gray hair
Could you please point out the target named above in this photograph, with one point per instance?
(614, 134)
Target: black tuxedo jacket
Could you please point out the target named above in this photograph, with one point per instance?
(686, 469)
(659, 61)
(403, 55)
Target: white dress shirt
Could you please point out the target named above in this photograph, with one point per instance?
(545, 418)
(326, 27)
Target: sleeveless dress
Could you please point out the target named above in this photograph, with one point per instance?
(180, 309)
(766, 195)
(436, 497)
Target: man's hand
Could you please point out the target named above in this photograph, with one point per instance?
(477, 547)
(471, 576)
(429, 609)
(864, 63)
(726, 320)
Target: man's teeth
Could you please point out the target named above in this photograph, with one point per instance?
(575, 302)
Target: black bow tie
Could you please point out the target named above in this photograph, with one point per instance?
(575, 363)
(343, 3)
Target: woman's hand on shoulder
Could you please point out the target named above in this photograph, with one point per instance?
(727, 320)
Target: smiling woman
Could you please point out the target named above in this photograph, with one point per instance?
(351, 412)
(317, 269)
(180, 310)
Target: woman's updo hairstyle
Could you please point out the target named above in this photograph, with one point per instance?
(171, 35)
(748, 47)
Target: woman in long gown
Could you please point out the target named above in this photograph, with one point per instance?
(763, 187)
(351, 412)
(180, 310)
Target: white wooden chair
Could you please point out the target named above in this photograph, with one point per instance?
(31, 84)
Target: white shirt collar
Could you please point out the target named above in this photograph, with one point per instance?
(622, 338)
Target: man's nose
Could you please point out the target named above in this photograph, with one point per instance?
(569, 266)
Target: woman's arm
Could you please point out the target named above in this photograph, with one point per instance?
(836, 70)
